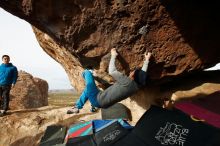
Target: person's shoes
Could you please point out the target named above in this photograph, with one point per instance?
(73, 110)
(2, 113)
(93, 109)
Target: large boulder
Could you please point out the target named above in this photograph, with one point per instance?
(183, 35)
(29, 92)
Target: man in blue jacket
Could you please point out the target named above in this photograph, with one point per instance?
(8, 78)
(124, 86)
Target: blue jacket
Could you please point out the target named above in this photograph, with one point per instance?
(8, 74)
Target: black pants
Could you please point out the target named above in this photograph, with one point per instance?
(4, 93)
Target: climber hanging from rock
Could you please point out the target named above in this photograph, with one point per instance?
(124, 86)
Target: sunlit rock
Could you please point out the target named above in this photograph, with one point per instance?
(29, 92)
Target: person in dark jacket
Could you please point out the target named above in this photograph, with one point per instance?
(124, 86)
(8, 78)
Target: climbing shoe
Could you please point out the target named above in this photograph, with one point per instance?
(93, 109)
(2, 113)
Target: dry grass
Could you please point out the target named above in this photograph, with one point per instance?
(62, 98)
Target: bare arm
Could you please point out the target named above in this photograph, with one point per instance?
(112, 69)
(146, 61)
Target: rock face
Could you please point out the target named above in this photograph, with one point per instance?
(26, 127)
(29, 92)
(183, 35)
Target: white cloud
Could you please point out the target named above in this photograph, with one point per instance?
(216, 67)
(19, 42)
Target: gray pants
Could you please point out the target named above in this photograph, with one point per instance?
(121, 89)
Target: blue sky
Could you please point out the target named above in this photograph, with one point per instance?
(19, 42)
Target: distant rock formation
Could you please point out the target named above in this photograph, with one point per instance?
(29, 92)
